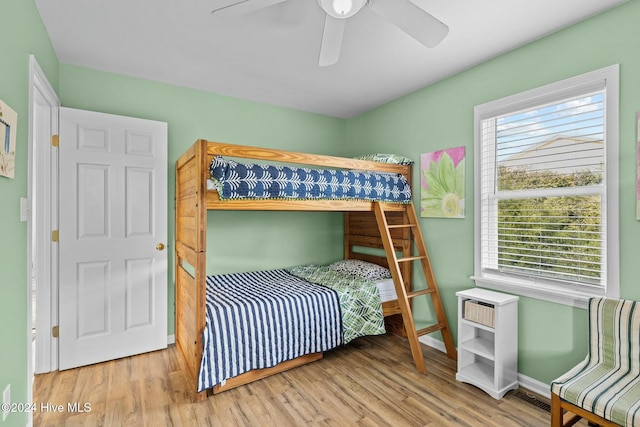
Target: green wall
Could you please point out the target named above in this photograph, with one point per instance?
(22, 33)
(552, 337)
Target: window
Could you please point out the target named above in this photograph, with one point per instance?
(546, 190)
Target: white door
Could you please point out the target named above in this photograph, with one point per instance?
(113, 228)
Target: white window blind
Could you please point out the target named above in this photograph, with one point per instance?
(544, 199)
(543, 189)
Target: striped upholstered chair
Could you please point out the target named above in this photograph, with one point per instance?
(605, 387)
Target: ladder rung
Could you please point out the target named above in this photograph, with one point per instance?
(401, 225)
(420, 292)
(429, 329)
(411, 258)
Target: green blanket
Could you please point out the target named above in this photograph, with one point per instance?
(359, 299)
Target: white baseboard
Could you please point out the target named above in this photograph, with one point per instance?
(171, 339)
(525, 382)
(534, 385)
(432, 342)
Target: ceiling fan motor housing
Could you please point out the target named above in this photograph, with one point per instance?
(341, 9)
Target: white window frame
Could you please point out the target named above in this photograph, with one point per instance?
(608, 79)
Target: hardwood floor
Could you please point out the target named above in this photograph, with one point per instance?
(370, 382)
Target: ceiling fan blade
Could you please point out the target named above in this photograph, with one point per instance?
(331, 41)
(244, 6)
(412, 20)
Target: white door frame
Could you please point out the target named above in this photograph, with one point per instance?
(42, 168)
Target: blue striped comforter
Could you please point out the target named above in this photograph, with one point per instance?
(257, 320)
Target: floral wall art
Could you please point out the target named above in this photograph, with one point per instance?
(442, 183)
(8, 121)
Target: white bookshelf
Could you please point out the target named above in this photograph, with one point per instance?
(488, 351)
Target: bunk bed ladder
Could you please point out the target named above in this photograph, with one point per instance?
(410, 221)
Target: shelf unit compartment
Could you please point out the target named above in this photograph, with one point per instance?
(479, 373)
(481, 343)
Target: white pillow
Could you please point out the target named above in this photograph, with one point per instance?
(364, 269)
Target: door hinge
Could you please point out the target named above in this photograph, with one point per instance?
(55, 140)
(55, 331)
(55, 236)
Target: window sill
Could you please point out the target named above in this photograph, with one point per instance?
(543, 292)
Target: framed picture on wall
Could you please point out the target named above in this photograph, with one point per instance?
(8, 122)
(442, 183)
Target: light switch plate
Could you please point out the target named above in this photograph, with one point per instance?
(24, 209)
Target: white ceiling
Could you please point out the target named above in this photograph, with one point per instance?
(271, 55)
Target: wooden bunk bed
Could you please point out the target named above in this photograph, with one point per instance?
(389, 226)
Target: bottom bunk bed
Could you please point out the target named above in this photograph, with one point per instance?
(260, 320)
(261, 323)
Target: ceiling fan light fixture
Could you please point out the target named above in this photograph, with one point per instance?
(342, 9)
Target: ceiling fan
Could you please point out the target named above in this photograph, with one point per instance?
(402, 13)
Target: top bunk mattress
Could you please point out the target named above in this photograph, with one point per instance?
(234, 180)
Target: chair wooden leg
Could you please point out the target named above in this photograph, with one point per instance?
(556, 411)
(573, 415)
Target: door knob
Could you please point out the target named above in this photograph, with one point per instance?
(160, 246)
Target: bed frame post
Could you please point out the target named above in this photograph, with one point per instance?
(191, 249)
(201, 267)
